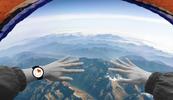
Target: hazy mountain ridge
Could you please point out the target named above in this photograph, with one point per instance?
(110, 46)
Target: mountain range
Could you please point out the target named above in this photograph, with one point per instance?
(96, 52)
(98, 46)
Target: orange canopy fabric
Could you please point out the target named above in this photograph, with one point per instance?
(165, 5)
(6, 6)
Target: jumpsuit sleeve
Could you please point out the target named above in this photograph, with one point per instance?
(160, 85)
(12, 81)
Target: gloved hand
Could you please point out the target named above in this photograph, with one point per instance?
(56, 71)
(135, 75)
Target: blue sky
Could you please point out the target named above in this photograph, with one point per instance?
(91, 6)
(95, 17)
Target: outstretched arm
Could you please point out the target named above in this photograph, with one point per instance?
(56, 70)
(160, 85)
(135, 75)
(14, 80)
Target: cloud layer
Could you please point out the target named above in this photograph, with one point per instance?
(156, 32)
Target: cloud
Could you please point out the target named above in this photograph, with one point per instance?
(98, 16)
(156, 31)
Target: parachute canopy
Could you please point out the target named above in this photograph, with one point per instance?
(162, 7)
(14, 11)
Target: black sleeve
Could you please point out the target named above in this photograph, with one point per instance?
(12, 81)
(160, 85)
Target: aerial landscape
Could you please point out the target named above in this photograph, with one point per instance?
(96, 32)
(94, 82)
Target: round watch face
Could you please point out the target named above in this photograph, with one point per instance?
(38, 72)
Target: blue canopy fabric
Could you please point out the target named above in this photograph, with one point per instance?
(18, 15)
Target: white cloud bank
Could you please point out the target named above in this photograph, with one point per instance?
(156, 32)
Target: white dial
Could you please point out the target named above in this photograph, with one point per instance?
(38, 72)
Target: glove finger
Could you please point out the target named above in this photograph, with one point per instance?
(71, 71)
(123, 80)
(119, 70)
(118, 65)
(123, 62)
(64, 59)
(130, 62)
(65, 78)
(76, 60)
(72, 64)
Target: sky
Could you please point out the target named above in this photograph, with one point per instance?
(91, 17)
